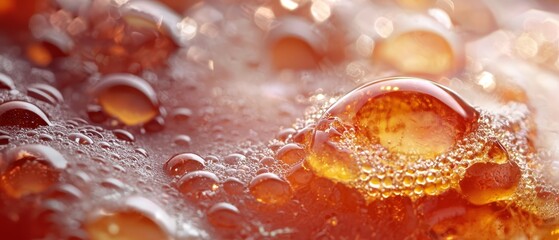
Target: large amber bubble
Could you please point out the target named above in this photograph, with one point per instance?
(410, 117)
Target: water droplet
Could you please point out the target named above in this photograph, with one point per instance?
(286, 133)
(183, 163)
(299, 177)
(268, 188)
(113, 183)
(233, 186)
(127, 98)
(224, 215)
(182, 140)
(140, 218)
(291, 153)
(45, 137)
(487, 182)
(292, 45)
(5, 139)
(105, 145)
(6, 82)
(123, 135)
(181, 114)
(198, 183)
(80, 138)
(234, 159)
(96, 114)
(45, 93)
(268, 161)
(155, 125)
(154, 15)
(65, 192)
(31, 169)
(22, 114)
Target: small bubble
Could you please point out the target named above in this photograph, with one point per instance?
(22, 114)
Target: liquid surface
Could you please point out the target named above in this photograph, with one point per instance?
(279, 119)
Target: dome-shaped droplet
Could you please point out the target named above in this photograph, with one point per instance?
(140, 218)
(124, 135)
(270, 189)
(299, 177)
(45, 93)
(224, 215)
(80, 138)
(408, 116)
(30, 169)
(294, 45)
(182, 140)
(487, 182)
(22, 114)
(6, 82)
(181, 114)
(233, 186)
(291, 153)
(127, 98)
(197, 183)
(183, 163)
(234, 159)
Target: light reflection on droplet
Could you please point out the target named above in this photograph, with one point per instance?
(320, 10)
(264, 17)
(364, 45)
(384, 27)
(289, 4)
(120, 2)
(525, 46)
(486, 80)
(187, 28)
(441, 17)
